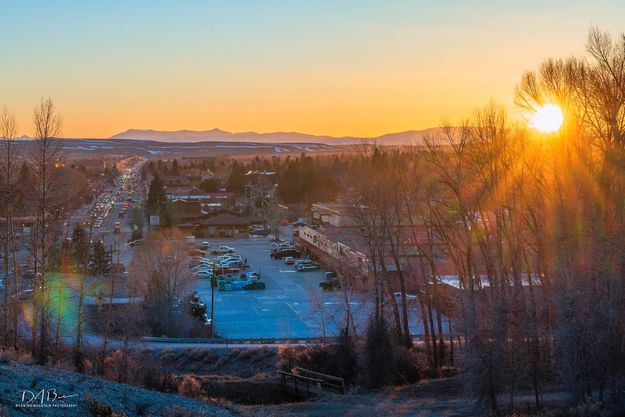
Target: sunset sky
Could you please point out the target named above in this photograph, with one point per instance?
(359, 68)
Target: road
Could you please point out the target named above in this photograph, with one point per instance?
(122, 253)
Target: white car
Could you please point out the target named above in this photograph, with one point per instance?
(222, 250)
(203, 274)
(227, 257)
(203, 268)
(230, 262)
(409, 297)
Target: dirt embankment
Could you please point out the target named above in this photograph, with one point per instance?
(30, 390)
(242, 376)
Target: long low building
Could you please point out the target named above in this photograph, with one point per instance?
(342, 253)
(222, 225)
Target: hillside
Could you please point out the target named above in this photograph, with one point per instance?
(218, 135)
(82, 390)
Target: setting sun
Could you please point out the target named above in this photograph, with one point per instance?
(547, 118)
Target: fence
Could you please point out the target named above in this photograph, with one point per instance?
(328, 382)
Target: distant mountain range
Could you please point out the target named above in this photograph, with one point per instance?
(410, 137)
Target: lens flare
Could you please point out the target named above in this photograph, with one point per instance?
(547, 118)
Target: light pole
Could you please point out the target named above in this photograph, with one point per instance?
(213, 285)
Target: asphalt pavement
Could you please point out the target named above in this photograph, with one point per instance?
(292, 305)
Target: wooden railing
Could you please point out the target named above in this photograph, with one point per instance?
(328, 382)
(299, 385)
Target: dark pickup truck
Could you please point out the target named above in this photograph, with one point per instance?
(331, 282)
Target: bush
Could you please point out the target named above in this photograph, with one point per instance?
(155, 378)
(338, 360)
(288, 357)
(378, 354)
(99, 410)
(346, 358)
(582, 410)
(189, 386)
(406, 367)
(118, 368)
(141, 408)
(136, 235)
(178, 412)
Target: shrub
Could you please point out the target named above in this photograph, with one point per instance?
(178, 412)
(156, 378)
(378, 354)
(117, 368)
(339, 360)
(406, 367)
(582, 410)
(99, 410)
(141, 408)
(189, 386)
(346, 358)
(287, 357)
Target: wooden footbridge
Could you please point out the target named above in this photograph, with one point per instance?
(306, 383)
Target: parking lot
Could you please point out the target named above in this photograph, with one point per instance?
(292, 305)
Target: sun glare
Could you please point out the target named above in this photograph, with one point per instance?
(547, 118)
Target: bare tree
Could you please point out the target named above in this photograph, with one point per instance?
(8, 170)
(44, 158)
(160, 275)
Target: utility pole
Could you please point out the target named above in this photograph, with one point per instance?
(213, 285)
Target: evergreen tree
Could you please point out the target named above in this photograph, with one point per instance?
(156, 195)
(196, 306)
(136, 218)
(236, 180)
(165, 217)
(99, 260)
(175, 168)
(79, 246)
(210, 186)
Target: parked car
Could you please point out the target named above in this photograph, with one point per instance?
(284, 222)
(300, 222)
(26, 294)
(289, 260)
(409, 297)
(204, 246)
(251, 275)
(299, 262)
(203, 266)
(307, 267)
(117, 267)
(227, 270)
(231, 263)
(196, 252)
(226, 257)
(280, 246)
(331, 282)
(283, 253)
(259, 231)
(222, 250)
